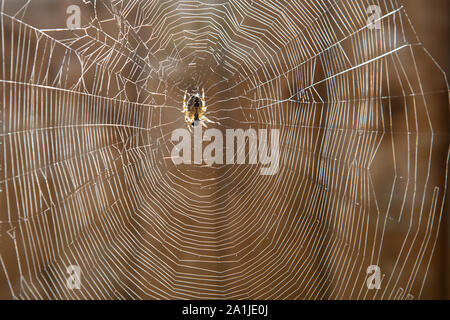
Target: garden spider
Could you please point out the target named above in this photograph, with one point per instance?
(194, 112)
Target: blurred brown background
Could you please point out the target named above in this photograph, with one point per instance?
(430, 20)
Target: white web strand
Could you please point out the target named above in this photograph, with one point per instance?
(87, 180)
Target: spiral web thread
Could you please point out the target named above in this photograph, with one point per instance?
(87, 179)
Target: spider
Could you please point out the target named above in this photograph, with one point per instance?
(194, 113)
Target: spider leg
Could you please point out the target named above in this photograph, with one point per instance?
(207, 120)
(184, 101)
(203, 100)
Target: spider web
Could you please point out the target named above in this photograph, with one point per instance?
(86, 175)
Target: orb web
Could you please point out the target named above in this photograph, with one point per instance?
(87, 178)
